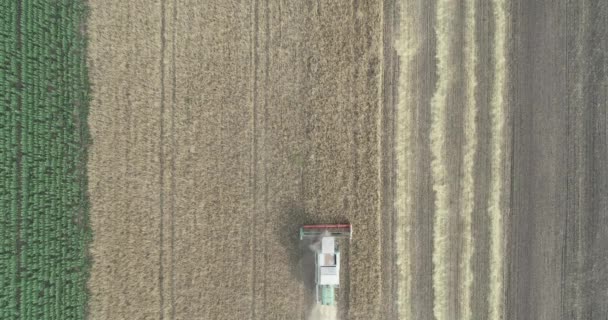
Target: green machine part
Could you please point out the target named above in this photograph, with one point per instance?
(328, 296)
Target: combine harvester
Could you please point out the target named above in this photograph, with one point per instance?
(327, 257)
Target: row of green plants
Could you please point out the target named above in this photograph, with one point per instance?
(43, 138)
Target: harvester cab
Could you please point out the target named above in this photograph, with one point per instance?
(327, 257)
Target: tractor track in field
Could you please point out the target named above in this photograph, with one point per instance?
(266, 89)
(254, 146)
(161, 157)
(174, 147)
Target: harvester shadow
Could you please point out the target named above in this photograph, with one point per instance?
(301, 257)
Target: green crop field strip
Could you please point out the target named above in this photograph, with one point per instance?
(43, 136)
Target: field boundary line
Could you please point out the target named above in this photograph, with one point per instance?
(387, 92)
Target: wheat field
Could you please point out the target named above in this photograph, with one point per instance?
(218, 129)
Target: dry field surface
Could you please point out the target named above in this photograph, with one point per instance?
(219, 127)
(466, 141)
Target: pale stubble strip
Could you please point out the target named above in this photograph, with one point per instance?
(407, 44)
(468, 181)
(497, 118)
